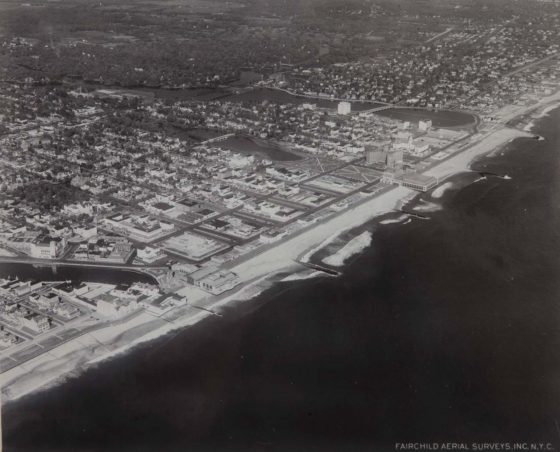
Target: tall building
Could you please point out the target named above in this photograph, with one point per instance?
(394, 158)
(385, 155)
(403, 141)
(344, 108)
(374, 155)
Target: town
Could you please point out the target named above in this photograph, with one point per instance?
(181, 181)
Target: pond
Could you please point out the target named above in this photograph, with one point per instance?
(257, 147)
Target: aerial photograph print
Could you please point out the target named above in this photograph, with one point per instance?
(279, 225)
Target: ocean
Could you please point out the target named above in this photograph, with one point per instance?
(443, 330)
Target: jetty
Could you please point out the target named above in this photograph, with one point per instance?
(327, 270)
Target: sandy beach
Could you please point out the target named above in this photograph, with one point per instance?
(484, 145)
(76, 355)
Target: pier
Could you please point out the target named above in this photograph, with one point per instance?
(414, 214)
(327, 270)
(217, 314)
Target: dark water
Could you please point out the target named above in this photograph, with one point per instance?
(257, 147)
(200, 94)
(75, 274)
(444, 119)
(444, 330)
(204, 134)
(438, 118)
(260, 95)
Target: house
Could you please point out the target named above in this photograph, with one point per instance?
(36, 322)
(46, 301)
(164, 304)
(67, 310)
(271, 235)
(114, 307)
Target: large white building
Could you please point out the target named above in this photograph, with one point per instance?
(387, 156)
(150, 254)
(35, 322)
(419, 182)
(143, 228)
(47, 249)
(37, 245)
(111, 306)
(403, 141)
(214, 281)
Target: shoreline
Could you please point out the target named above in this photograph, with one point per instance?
(256, 275)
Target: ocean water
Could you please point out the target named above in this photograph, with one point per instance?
(444, 330)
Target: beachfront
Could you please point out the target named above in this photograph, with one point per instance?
(255, 273)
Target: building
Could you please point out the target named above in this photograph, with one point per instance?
(7, 339)
(7, 285)
(143, 228)
(111, 306)
(150, 254)
(37, 244)
(79, 295)
(344, 108)
(394, 158)
(68, 311)
(390, 158)
(183, 268)
(28, 286)
(105, 248)
(36, 322)
(424, 126)
(374, 155)
(164, 304)
(47, 248)
(403, 141)
(214, 281)
(419, 182)
(78, 209)
(46, 301)
(86, 231)
(421, 149)
(82, 289)
(272, 235)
